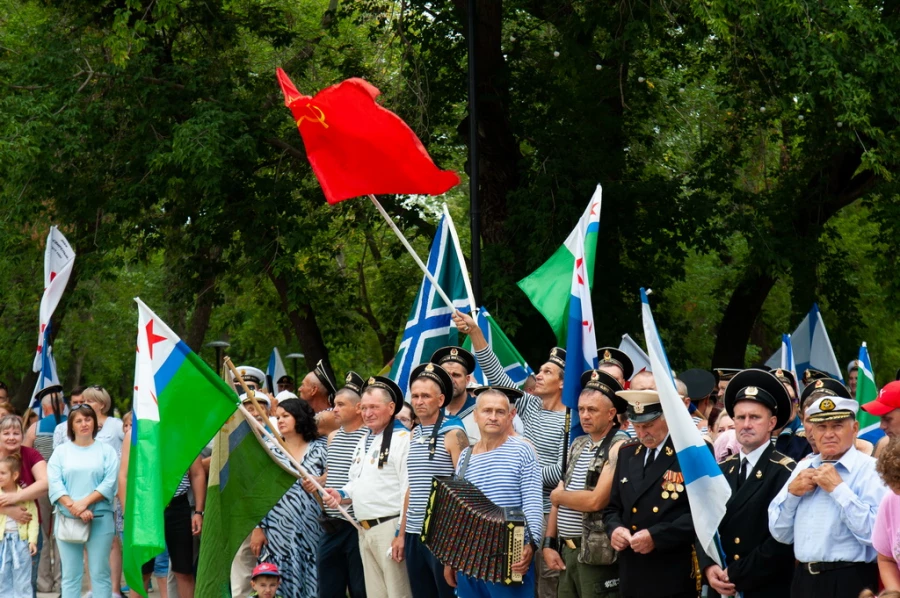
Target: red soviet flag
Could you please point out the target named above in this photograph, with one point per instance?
(356, 147)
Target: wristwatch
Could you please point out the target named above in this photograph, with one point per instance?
(550, 542)
(199, 513)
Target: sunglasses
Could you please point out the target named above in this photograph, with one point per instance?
(83, 406)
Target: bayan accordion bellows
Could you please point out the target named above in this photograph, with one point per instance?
(471, 534)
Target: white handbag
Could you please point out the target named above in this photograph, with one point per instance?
(71, 529)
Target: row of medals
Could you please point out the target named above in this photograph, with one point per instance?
(673, 483)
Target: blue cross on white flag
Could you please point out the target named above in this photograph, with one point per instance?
(707, 489)
(428, 328)
(275, 370)
(811, 348)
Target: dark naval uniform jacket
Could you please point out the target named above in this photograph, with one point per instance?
(642, 500)
(758, 565)
(793, 445)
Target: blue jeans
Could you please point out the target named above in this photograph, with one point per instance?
(35, 562)
(469, 587)
(99, 545)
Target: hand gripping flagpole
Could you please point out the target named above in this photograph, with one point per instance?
(413, 253)
(272, 437)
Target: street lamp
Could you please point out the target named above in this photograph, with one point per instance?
(295, 357)
(219, 346)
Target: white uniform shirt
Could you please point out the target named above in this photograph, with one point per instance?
(378, 492)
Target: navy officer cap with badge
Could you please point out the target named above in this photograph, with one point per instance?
(643, 405)
(831, 408)
(354, 382)
(389, 386)
(325, 378)
(810, 375)
(454, 355)
(558, 357)
(609, 386)
(438, 375)
(725, 373)
(614, 356)
(762, 387)
(824, 387)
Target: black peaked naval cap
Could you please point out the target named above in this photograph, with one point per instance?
(725, 373)
(354, 382)
(513, 394)
(811, 375)
(454, 355)
(47, 390)
(616, 357)
(325, 377)
(825, 387)
(762, 387)
(390, 387)
(438, 375)
(285, 380)
(558, 357)
(603, 382)
(700, 383)
(785, 376)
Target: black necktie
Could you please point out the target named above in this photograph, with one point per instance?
(742, 473)
(650, 458)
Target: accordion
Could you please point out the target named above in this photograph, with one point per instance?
(471, 534)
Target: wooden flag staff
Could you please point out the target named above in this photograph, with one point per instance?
(413, 253)
(277, 439)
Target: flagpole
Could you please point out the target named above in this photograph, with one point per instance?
(251, 394)
(412, 252)
(303, 473)
(461, 258)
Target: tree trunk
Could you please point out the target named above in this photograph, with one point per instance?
(743, 309)
(498, 149)
(303, 320)
(199, 324)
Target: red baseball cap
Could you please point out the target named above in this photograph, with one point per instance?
(888, 400)
(265, 569)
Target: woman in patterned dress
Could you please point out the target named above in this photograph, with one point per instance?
(291, 530)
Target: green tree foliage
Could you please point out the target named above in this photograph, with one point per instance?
(733, 143)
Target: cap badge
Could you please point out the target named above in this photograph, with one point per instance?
(819, 384)
(751, 391)
(243, 373)
(826, 405)
(595, 375)
(606, 355)
(371, 380)
(638, 407)
(454, 352)
(553, 352)
(429, 368)
(779, 373)
(349, 377)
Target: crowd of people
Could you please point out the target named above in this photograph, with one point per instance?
(814, 510)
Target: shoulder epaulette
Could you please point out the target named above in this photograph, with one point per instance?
(631, 444)
(800, 433)
(732, 458)
(783, 460)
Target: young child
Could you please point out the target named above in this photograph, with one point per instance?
(265, 580)
(19, 542)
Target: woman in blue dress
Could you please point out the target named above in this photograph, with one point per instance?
(289, 535)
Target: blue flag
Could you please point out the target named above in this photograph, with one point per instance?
(428, 327)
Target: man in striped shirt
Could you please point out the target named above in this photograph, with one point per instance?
(434, 451)
(339, 563)
(544, 416)
(504, 468)
(575, 543)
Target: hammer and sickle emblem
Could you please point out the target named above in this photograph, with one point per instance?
(317, 116)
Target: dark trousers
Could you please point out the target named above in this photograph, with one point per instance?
(838, 583)
(426, 573)
(339, 564)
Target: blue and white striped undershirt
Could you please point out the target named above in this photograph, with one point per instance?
(510, 476)
(420, 470)
(340, 455)
(544, 429)
(569, 521)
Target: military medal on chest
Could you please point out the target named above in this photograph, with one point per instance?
(672, 485)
